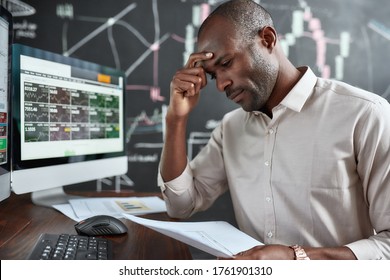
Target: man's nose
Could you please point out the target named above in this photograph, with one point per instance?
(223, 83)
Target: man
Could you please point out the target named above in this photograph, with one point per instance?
(306, 160)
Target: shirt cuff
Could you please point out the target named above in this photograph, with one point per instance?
(180, 184)
(365, 250)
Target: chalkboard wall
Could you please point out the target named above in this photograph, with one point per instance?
(149, 39)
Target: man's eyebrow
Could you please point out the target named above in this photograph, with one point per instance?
(216, 62)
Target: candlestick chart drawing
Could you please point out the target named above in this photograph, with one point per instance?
(149, 39)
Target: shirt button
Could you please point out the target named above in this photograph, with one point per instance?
(268, 199)
(271, 131)
(269, 234)
(266, 163)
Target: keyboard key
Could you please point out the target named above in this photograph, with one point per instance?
(69, 247)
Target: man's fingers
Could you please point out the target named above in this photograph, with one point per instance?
(189, 80)
(195, 59)
(188, 83)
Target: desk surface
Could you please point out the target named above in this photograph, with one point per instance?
(22, 222)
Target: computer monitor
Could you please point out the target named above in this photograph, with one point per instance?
(68, 123)
(5, 119)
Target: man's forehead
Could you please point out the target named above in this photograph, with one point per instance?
(219, 46)
(215, 31)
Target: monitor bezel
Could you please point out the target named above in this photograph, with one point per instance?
(45, 178)
(17, 162)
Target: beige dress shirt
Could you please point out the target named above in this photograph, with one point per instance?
(316, 174)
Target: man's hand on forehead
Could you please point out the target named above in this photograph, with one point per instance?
(196, 59)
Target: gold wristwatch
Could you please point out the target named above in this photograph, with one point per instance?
(300, 254)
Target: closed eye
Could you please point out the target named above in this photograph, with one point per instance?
(226, 63)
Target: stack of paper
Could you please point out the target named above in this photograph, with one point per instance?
(82, 208)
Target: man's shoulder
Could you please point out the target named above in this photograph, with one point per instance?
(236, 114)
(345, 90)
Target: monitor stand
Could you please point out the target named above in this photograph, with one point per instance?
(51, 197)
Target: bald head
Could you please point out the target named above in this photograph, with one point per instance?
(246, 17)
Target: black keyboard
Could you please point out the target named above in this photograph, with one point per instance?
(71, 247)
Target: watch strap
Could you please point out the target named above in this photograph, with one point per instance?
(299, 252)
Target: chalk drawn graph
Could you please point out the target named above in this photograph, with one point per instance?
(317, 34)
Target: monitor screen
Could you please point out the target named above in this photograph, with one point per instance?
(68, 120)
(5, 119)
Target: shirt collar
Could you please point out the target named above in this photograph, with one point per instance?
(298, 95)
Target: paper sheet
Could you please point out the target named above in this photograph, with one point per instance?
(67, 210)
(116, 206)
(217, 238)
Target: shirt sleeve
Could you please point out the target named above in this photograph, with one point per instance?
(373, 157)
(177, 194)
(200, 184)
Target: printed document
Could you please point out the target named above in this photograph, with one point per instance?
(115, 206)
(217, 238)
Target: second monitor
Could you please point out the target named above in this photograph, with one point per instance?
(68, 122)
(6, 35)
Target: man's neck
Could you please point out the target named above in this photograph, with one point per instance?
(288, 77)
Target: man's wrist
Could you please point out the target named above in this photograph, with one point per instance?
(299, 253)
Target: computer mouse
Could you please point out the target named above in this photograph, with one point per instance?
(100, 225)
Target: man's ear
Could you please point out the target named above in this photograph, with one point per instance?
(268, 37)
